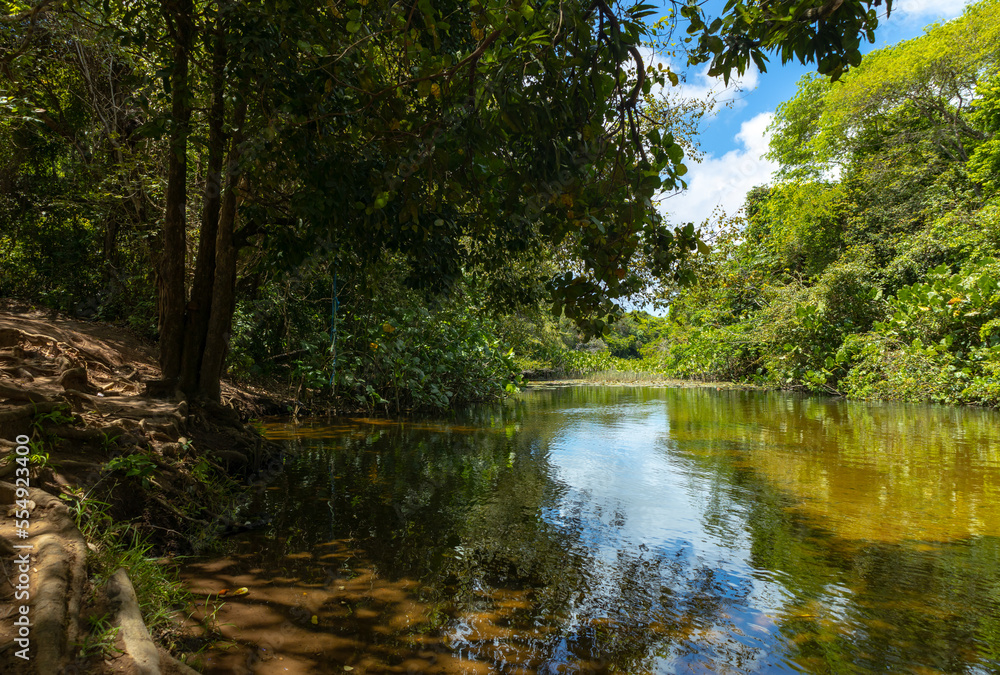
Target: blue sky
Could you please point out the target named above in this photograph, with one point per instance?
(735, 138)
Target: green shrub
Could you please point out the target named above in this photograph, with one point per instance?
(395, 347)
(886, 369)
(959, 306)
(984, 386)
(710, 353)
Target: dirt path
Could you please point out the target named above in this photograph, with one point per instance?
(72, 399)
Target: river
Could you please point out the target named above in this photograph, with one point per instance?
(623, 530)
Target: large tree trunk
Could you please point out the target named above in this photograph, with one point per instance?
(224, 287)
(109, 250)
(170, 281)
(199, 308)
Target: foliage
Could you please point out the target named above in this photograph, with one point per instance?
(984, 377)
(516, 144)
(75, 192)
(828, 34)
(935, 76)
(888, 369)
(799, 225)
(960, 309)
(582, 363)
(869, 268)
(418, 358)
(632, 333)
(136, 464)
(540, 340)
(630, 346)
(984, 164)
(709, 353)
(393, 349)
(114, 546)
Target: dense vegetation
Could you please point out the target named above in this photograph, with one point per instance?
(372, 199)
(401, 204)
(208, 170)
(869, 268)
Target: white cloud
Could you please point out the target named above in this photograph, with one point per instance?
(723, 182)
(928, 9)
(699, 86)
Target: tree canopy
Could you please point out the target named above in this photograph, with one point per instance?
(934, 75)
(501, 141)
(869, 268)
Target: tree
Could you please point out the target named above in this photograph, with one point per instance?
(934, 76)
(458, 135)
(76, 176)
(984, 163)
(827, 33)
(440, 122)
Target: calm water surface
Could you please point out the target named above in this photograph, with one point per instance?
(625, 530)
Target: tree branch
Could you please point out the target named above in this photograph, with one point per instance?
(819, 13)
(43, 6)
(633, 97)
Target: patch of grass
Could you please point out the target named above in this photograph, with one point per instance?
(100, 639)
(119, 545)
(159, 593)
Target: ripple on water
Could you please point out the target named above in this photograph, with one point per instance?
(623, 530)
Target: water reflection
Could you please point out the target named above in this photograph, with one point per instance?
(627, 529)
(867, 471)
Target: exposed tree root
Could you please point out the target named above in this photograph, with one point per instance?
(71, 388)
(132, 631)
(58, 564)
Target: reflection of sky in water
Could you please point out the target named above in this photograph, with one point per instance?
(681, 530)
(632, 497)
(617, 473)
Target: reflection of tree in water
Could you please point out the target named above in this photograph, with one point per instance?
(472, 518)
(471, 511)
(522, 569)
(600, 609)
(855, 604)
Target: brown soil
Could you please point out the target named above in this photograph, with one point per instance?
(354, 620)
(78, 391)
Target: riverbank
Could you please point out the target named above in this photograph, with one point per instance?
(97, 476)
(622, 379)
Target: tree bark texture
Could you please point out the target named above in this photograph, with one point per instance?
(170, 281)
(224, 286)
(200, 306)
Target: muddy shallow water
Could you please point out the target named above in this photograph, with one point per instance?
(624, 530)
